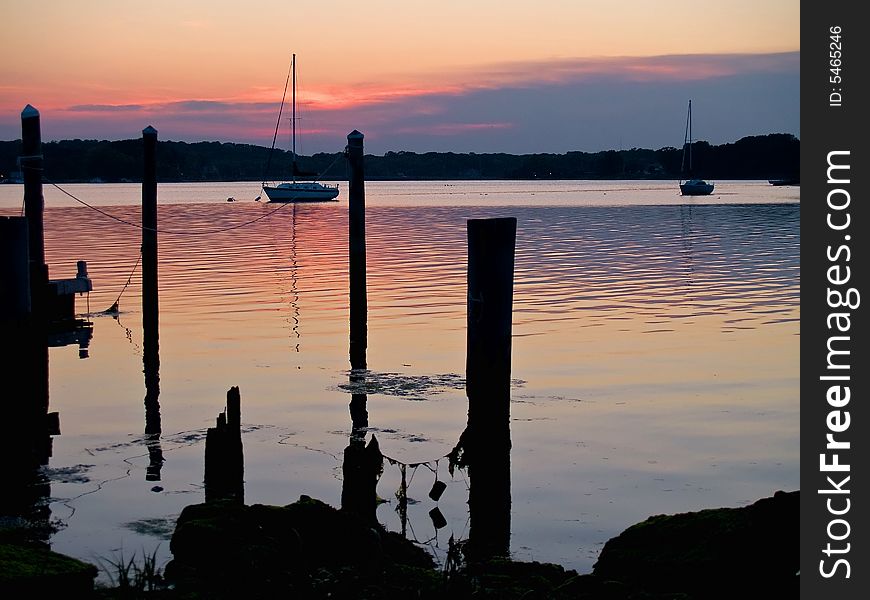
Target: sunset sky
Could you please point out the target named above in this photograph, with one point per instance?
(481, 76)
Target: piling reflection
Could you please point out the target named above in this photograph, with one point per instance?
(361, 468)
(485, 452)
(362, 463)
(27, 430)
(153, 426)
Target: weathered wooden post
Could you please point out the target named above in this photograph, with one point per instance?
(224, 455)
(14, 270)
(149, 235)
(357, 251)
(491, 246)
(150, 307)
(34, 204)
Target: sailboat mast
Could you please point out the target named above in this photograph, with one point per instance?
(293, 118)
(690, 136)
(686, 167)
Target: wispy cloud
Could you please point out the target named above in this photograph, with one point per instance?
(685, 67)
(105, 108)
(179, 106)
(451, 128)
(554, 105)
(660, 69)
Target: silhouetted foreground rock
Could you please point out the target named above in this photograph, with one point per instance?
(307, 548)
(311, 550)
(745, 552)
(32, 570)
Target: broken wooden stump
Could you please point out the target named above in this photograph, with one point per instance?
(224, 456)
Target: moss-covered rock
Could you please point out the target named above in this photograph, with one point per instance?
(743, 552)
(309, 549)
(304, 547)
(35, 570)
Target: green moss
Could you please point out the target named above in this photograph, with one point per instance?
(29, 562)
(35, 569)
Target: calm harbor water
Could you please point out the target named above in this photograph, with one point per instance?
(655, 353)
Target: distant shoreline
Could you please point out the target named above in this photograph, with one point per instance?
(395, 180)
(772, 156)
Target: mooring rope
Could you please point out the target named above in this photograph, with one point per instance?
(158, 230)
(115, 307)
(342, 154)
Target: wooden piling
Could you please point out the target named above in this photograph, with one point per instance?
(149, 233)
(34, 204)
(14, 270)
(491, 246)
(150, 306)
(357, 251)
(224, 455)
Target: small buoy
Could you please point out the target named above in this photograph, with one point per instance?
(437, 489)
(438, 519)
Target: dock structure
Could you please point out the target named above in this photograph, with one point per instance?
(51, 300)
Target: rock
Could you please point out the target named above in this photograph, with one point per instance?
(27, 571)
(309, 549)
(745, 552)
(227, 545)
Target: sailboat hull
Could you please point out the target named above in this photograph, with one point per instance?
(696, 187)
(301, 192)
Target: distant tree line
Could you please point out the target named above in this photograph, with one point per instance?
(756, 157)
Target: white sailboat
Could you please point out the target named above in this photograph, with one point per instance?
(297, 191)
(691, 187)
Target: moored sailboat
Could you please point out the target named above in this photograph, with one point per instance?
(692, 186)
(297, 191)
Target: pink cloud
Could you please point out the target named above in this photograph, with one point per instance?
(452, 128)
(418, 108)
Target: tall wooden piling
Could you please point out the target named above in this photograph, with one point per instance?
(149, 232)
(491, 246)
(357, 251)
(150, 307)
(14, 270)
(34, 204)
